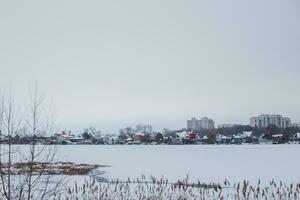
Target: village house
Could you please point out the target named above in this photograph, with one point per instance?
(277, 139)
(205, 140)
(138, 138)
(223, 139)
(237, 139)
(64, 137)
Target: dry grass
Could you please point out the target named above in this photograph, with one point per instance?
(58, 168)
(161, 189)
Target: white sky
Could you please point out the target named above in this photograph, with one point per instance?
(115, 63)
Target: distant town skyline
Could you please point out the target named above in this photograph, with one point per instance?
(198, 123)
(110, 64)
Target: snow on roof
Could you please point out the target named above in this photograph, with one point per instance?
(298, 135)
(77, 137)
(139, 133)
(219, 137)
(277, 135)
(129, 139)
(224, 137)
(237, 137)
(247, 133)
(182, 134)
(205, 137)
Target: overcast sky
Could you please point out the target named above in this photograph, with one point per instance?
(115, 63)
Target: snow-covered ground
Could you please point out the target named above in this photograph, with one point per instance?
(207, 163)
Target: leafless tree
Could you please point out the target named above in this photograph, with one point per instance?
(8, 127)
(35, 180)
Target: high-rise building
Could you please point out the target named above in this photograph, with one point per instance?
(203, 123)
(264, 120)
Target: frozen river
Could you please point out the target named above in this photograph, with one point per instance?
(204, 162)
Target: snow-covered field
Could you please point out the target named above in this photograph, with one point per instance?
(207, 163)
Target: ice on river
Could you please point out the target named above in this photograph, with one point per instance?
(207, 163)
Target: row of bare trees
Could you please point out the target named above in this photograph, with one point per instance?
(33, 121)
